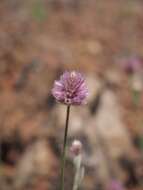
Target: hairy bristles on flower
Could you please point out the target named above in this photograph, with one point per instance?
(76, 148)
(70, 89)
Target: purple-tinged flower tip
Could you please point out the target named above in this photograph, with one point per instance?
(115, 185)
(76, 148)
(132, 64)
(70, 89)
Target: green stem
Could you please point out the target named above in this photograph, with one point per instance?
(64, 148)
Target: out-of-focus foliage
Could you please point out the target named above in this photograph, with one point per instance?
(39, 11)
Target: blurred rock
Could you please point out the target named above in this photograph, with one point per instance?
(38, 160)
(108, 137)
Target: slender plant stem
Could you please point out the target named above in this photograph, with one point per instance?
(64, 148)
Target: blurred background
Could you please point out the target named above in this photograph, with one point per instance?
(39, 40)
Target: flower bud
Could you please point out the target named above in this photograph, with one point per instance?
(76, 148)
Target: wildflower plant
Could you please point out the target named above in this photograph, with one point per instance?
(70, 90)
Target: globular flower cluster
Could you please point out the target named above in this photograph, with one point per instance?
(70, 89)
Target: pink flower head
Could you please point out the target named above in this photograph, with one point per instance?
(70, 89)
